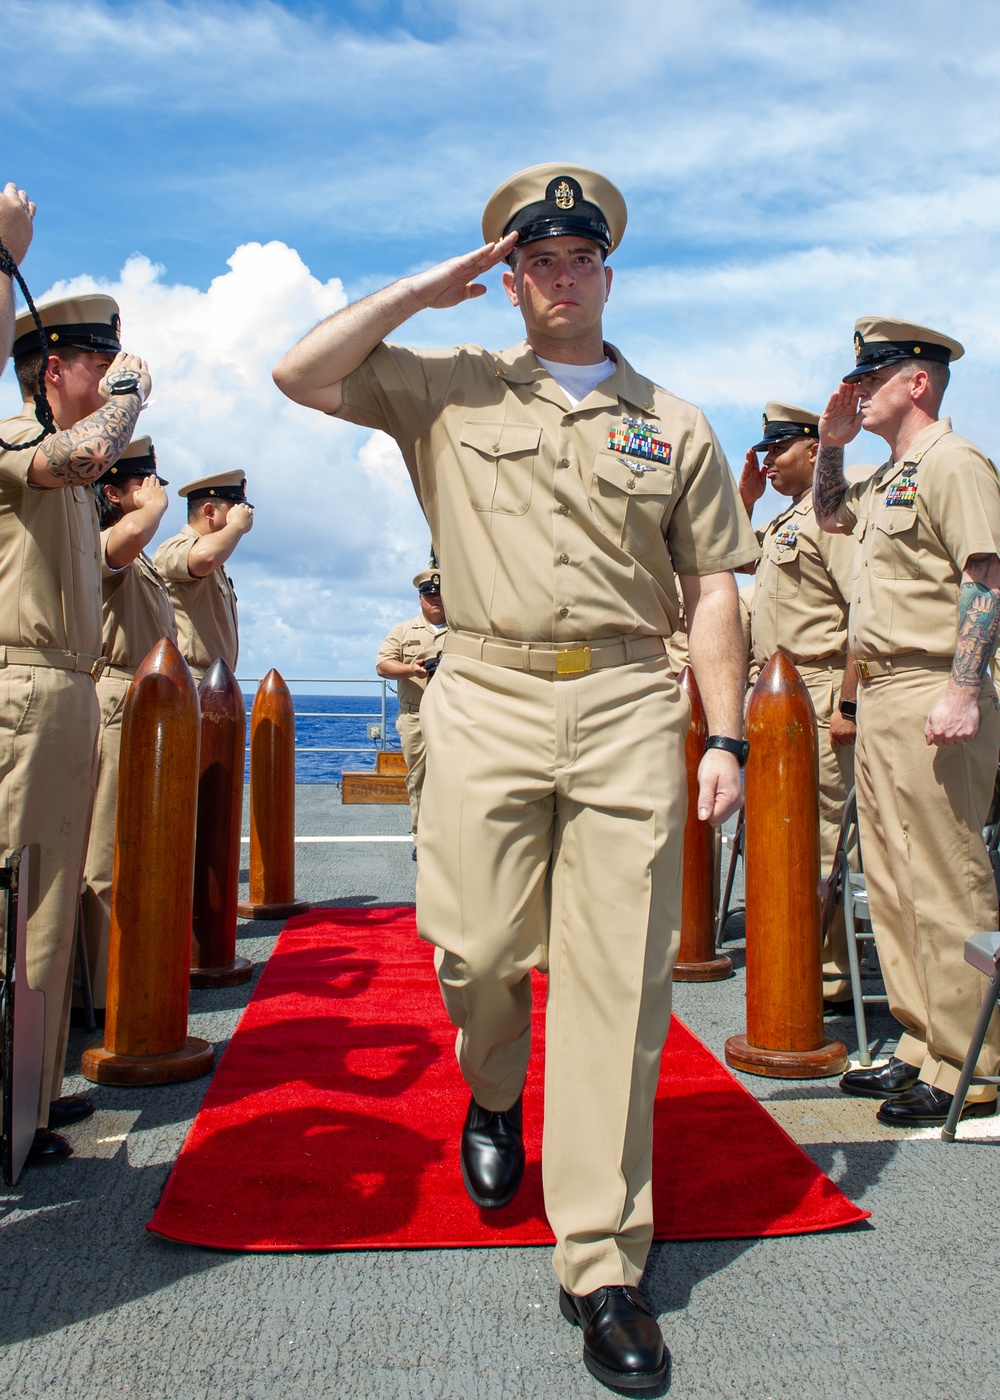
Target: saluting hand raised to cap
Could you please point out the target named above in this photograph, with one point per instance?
(241, 515)
(454, 281)
(16, 214)
(130, 364)
(841, 420)
(752, 480)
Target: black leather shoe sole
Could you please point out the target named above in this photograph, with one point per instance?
(47, 1147)
(607, 1375)
(491, 1202)
(898, 1115)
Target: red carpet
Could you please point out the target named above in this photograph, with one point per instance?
(333, 1119)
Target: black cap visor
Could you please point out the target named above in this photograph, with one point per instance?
(96, 338)
(883, 353)
(785, 432)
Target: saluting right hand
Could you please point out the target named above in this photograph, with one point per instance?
(841, 420)
(16, 214)
(454, 281)
(241, 515)
(752, 480)
(151, 493)
(134, 365)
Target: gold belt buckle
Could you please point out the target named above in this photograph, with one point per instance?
(97, 670)
(572, 662)
(861, 666)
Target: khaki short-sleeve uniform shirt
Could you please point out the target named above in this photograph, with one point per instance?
(137, 610)
(405, 643)
(50, 566)
(802, 588)
(918, 522)
(556, 524)
(205, 608)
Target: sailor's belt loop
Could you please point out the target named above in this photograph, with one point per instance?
(571, 659)
(57, 660)
(868, 667)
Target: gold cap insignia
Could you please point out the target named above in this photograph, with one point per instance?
(116, 326)
(764, 421)
(564, 195)
(859, 344)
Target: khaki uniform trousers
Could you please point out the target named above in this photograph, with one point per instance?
(48, 728)
(415, 752)
(551, 838)
(930, 885)
(836, 778)
(99, 865)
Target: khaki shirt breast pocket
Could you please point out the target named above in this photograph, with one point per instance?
(892, 543)
(632, 508)
(500, 464)
(783, 571)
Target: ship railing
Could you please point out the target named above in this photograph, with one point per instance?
(376, 718)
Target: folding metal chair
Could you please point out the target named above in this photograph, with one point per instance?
(735, 854)
(982, 950)
(847, 889)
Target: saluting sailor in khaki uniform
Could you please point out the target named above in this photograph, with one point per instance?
(17, 213)
(401, 658)
(50, 639)
(925, 616)
(801, 595)
(562, 487)
(193, 565)
(137, 614)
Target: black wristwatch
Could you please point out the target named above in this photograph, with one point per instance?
(125, 382)
(848, 708)
(739, 748)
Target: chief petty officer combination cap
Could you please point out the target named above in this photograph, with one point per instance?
(548, 201)
(783, 422)
(138, 459)
(224, 486)
(881, 341)
(86, 322)
(428, 581)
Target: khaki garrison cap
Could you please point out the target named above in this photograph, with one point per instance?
(547, 201)
(428, 581)
(138, 459)
(226, 486)
(783, 422)
(85, 322)
(881, 340)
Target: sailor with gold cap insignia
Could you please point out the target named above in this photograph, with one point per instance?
(924, 624)
(561, 487)
(409, 656)
(50, 633)
(801, 598)
(193, 564)
(138, 613)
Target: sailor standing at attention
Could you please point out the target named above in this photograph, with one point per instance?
(554, 477)
(137, 614)
(401, 658)
(193, 565)
(802, 591)
(924, 622)
(50, 640)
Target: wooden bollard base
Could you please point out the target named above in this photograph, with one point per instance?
(824, 1063)
(715, 969)
(195, 1058)
(272, 911)
(239, 970)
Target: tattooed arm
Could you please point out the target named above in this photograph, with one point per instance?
(78, 455)
(955, 717)
(839, 425)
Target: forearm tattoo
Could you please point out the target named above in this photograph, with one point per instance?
(81, 454)
(978, 629)
(829, 482)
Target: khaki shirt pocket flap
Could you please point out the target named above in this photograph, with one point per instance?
(620, 472)
(501, 439)
(894, 520)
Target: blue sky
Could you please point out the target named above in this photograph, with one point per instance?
(235, 171)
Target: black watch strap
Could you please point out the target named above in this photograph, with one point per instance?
(739, 748)
(848, 708)
(125, 382)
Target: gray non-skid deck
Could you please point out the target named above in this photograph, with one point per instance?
(92, 1305)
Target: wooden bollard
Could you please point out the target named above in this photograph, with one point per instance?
(784, 1037)
(220, 820)
(145, 1035)
(272, 804)
(697, 960)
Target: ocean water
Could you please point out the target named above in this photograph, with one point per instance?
(336, 722)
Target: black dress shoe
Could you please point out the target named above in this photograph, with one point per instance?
(622, 1342)
(923, 1106)
(47, 1147)
(883, 1083)
(78, 1018)
(838, 1008)
(71, 1108)
(492, 1154)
